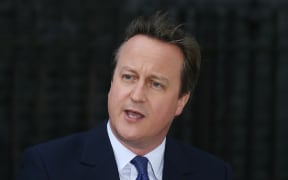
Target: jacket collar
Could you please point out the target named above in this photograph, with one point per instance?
(176, 163)
(98, 154)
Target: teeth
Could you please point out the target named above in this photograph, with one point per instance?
(134, 115)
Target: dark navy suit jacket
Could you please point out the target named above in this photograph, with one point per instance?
(89, 156)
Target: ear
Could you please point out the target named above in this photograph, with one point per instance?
(110, 86)
(182, 101)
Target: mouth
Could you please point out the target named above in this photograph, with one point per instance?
(134, 115)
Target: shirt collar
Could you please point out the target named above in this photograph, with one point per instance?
(123, 155)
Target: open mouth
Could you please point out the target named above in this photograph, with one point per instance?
(134, 114)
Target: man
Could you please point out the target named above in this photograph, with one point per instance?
(156, 69)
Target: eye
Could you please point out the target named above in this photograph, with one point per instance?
(127, 77)
(156, 85)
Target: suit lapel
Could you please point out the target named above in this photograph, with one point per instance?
(176, 164)
(98, 158)
(98, 161)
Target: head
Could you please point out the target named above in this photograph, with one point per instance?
(160, 27)
(156, 67)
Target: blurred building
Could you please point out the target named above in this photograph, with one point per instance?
(55, 74)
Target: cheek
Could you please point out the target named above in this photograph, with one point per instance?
(116, 94)
(112, 96)
(114, 91)
(165, 110)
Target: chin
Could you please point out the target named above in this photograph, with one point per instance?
(128, 135)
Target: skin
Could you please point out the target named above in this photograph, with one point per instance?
(144, 94)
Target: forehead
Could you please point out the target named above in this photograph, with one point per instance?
(144, 48)
(151, 57)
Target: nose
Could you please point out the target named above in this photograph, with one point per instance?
(138, 93)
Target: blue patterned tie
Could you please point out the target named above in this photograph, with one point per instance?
(141, 163)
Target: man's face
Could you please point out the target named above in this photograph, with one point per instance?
(144, 95)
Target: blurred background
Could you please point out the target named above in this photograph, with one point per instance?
(55, 73)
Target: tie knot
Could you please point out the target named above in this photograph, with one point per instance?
(141, 163)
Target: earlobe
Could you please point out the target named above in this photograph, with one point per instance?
(110, 87)
(182, 101)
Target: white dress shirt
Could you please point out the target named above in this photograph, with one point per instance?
(123, 156)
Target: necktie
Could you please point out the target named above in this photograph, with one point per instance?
(141, 163)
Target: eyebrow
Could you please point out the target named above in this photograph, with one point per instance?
(153, 76)
(126, 68)
(160, 78)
